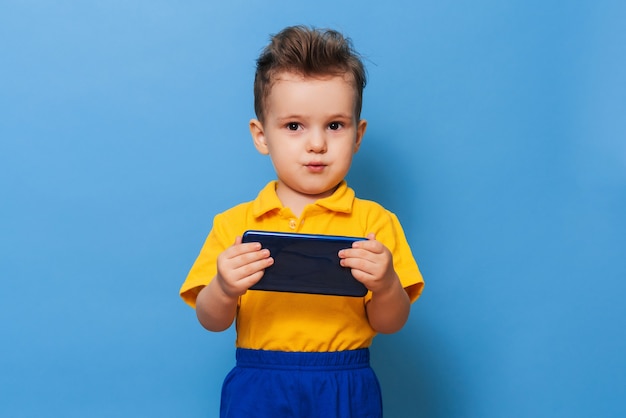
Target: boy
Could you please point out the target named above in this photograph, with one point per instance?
(303, 355)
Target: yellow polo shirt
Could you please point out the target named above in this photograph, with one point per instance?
(304, 322)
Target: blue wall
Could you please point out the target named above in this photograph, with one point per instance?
(496, 133)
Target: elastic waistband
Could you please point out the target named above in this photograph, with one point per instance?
(336, 360)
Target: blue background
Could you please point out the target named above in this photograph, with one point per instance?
(497, 133)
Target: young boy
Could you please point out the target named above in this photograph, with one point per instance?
(305, 355)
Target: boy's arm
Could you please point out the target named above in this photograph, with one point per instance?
(372, 264)
(238, 267)
(388, 311)
(215, 310)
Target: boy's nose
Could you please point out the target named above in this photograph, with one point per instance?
(316, 142)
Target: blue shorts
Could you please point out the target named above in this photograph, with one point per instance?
(276, 384)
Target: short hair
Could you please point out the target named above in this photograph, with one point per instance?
(309, 52)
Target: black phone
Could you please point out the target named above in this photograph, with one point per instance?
(306, 263)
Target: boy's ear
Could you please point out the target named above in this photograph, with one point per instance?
(258, 136)
(360, 131)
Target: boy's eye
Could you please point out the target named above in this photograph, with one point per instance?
(334, 126)
(293, 126)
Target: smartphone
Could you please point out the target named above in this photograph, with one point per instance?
(306, 263)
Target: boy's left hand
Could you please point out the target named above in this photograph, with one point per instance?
(371, 263)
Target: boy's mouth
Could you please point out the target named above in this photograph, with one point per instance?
(315, 166)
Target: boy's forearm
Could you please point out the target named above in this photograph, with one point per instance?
(388, 311)
(215, 310)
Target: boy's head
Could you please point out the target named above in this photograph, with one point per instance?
(310, 53)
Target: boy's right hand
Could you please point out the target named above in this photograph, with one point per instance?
(240, 266)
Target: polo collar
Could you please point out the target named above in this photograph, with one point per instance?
(267, 200)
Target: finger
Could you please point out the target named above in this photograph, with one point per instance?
(249, 281)
(361, 276)
(357, 263)
(370, 245)
(254, 268)
(238, 249)
(250, 258)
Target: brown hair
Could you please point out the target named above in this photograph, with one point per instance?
(310, 52)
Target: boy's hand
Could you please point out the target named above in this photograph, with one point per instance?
(371, 264)
(240, 266)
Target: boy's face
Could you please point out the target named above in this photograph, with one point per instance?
(310, 132)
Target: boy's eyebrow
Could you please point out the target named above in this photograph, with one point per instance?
(330, 116)
(289, 117)
(341, 116)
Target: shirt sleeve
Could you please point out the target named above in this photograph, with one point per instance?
(205, 267)
(405, 264)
